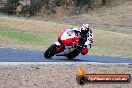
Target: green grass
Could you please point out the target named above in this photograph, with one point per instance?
(29, 37)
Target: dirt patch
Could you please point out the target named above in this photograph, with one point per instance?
(117, 18)
(57, 75)
(117, 14)
(30, 25)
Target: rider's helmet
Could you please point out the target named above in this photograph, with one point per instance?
(85, 28)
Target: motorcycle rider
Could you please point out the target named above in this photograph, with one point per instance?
(86, 39)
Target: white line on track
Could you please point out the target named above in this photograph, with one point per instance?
(55, 63)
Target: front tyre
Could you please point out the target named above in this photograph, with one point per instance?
(51, 51)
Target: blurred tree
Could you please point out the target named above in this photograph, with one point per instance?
(10, 6)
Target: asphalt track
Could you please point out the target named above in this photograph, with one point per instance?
(23, 55)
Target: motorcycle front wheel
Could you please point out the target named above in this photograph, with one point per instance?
(51, 51)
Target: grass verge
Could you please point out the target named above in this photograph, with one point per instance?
(30, 37)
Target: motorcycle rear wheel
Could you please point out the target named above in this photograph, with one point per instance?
(73, 54)
(51, 51)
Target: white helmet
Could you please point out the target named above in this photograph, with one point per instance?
(85, 28)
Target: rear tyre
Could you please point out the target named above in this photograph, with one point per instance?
(51, 51)
(73, 54)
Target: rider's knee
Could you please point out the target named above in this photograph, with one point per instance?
(84, 51)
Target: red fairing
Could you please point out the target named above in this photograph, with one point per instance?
(59, 48)
(69, 42)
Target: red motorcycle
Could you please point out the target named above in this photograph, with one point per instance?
(65, 46)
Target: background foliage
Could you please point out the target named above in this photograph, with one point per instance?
(76, 6)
